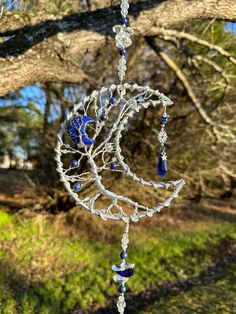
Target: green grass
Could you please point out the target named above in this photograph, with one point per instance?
(4, 219)
(44, 271)
(217, 298)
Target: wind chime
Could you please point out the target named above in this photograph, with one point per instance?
(107, 112)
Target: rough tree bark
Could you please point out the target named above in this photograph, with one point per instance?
(46, 48)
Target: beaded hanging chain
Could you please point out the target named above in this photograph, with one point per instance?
(91, 135)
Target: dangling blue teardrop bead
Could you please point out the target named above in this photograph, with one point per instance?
(162, 167)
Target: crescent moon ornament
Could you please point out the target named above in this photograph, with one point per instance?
(92, 134)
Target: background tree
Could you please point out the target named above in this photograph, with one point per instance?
(20, 128)
(68, 48)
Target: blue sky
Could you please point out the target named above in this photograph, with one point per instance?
(231, 27)
(32, 93)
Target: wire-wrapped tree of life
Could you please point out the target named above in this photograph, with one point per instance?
(106, 115)
(89, 148)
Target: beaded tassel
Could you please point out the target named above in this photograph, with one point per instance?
(123, 33)
(123, 271)
(162, 138)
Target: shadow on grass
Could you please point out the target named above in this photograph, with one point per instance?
(140, 301)
(19, 296)
(219, 211)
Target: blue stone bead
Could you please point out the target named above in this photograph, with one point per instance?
(162, 167)
(126, 272)
(77, 187)
(103, 117)
(74, 163)
(122, 289)
(164, 119)
(113, 166)
(123, 53)
(123, 255)
(112, 100)
(125, 21)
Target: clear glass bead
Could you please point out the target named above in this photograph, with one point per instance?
(124, 5)
(117, 28)
(122, 68)
(124, 13)
(162, 136)
(123, 36)
(121, 304)
(121, 75)
(122, 61)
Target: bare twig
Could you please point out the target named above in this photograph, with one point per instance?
(169, 34)
(181, 76)
(216, 67)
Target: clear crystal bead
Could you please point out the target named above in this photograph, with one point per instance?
(123, 36)
(122, 61)
(122, 68)
(124, 13)
(120, 279)
(121, 75)
(124, 5)
(162, 136)
(121, 304)
(117, 28)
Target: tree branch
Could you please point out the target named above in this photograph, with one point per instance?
(216, 67)
(183, 79)
(168, 34)
(43, 47)
(24, 71)
(219, 135)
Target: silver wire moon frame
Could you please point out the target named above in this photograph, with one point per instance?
(91, 136)
(131, 99)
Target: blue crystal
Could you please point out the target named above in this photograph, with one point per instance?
(123, 255)
(125, 21)
(113, 166)
(77, 187)
(123, 53)
(74, 163)
(162, 167)
(126, 272)
(112, 100)
(122, 289)
(164, 119)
